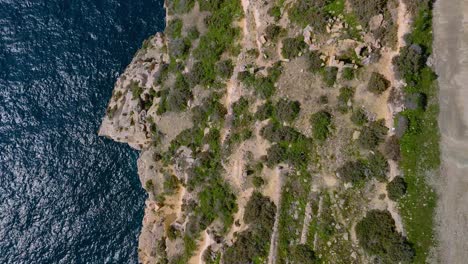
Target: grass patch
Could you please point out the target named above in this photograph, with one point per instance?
(420, 148)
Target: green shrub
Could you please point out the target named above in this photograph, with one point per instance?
(172, 233)
(378, 236)
(275, 154)
(275, 12)
(392, 148)
(346, 95)
(254, 242)
(258, 181)
(193, 33)
(286, 110)
(313, 13)
(302, 254)
(275, 132)
(329, 75)
(264, 111)
(377, 83)
(366, 9)
(314, 61)
(180, 6)
(396, 188)
(353, 171)
(220, 37)
(171, 183)
(409, 62)
(224, 68)
(321, 125)
(359, 117)
(264, 86)
(377, 166)
(174, 28)
(179, 47)
(372, 134)
(292, 47)
(179, 95)
(348, 73)
(272, 32)
(136, 89)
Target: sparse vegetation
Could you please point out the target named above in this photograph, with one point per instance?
(359, 117)
(321, 125)
(329, 75)
(292, 47)
(345, 99)
(174, 28)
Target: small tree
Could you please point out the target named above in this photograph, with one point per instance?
(353, 171)
(396, 188)
(377, 83)
(372, 134)
(378, 166)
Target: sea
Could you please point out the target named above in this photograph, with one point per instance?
(67, 195)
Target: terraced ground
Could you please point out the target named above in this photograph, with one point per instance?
(284, 132)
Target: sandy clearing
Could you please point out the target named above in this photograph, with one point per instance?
(450, 53)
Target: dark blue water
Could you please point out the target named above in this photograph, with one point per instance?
(66, 195)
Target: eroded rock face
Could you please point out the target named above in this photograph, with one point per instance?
(126, 120)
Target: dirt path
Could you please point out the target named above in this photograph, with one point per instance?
(451, 53)
(274, 234)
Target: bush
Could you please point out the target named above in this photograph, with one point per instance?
(353, 171)
(372, 134)
(314, 61)
(396, 188)
(329, 75)
(286, 110)
(392, 148)
(179, 48)
(275, 12)
(292, 47)
(174, 28)
(313, 13)
(348, 73)
(366, 9)
(258, 181)
(275, 154)
(409, 62)
(193, 33)
(179, 95)
(275, 132)
(302, 254)
(224, 68)
(377, 83)
(272, 32)
(264, 111)
(359, 117)
(378, 166)
(378, 236)
(346, 95)
(180, 6)
(253, 243)
(321, 125)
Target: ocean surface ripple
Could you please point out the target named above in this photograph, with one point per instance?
(66, 195)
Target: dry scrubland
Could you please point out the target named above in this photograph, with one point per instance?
(284, 132)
